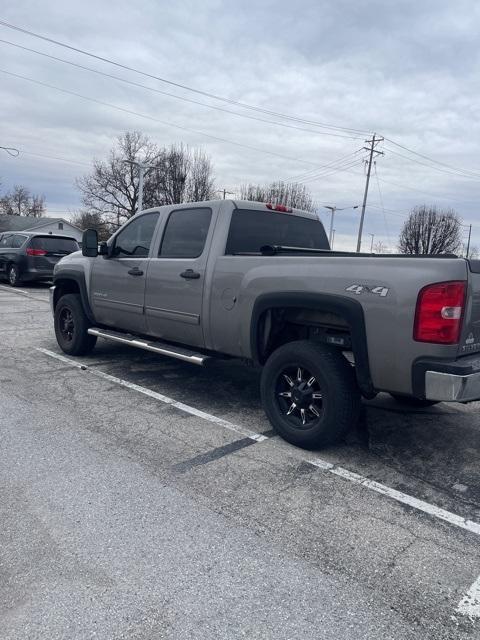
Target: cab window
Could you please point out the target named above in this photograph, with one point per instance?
(135, 239)
(185, 233)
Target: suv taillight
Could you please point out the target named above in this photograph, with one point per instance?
(35, 252)
(439, 312)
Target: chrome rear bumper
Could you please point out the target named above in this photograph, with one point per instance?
(451, 387)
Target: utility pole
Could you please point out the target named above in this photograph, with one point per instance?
(468, 242)
(333, 210)
(371, 149)
(371, 244)
(142, 169)
(226, 193)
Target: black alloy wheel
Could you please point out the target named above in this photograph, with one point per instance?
(299, 396)
(310, 393)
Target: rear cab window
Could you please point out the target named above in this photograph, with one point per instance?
(54, 244)
(251, 229)
(185, 233)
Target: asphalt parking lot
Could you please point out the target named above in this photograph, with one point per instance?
(143, 497)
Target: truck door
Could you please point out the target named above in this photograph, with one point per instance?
(117, 288)
(175, 285)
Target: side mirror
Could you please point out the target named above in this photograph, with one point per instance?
(90, 243)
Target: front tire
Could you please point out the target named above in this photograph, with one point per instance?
(310, 394)
(71, 326)
(13, 274)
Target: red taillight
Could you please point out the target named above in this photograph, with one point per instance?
(36, 252)
(279, 207)
(439, 312)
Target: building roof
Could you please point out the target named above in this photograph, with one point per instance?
(28, 223)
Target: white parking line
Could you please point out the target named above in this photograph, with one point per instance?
(470, 604)
(258, 437)
(399, 496)
(23, 293)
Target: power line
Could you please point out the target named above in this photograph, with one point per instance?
(153, 119)
(458, 174)
(179, 85)
(333, 164)
(425, 157)
(11, 151)
(44, 155)
(172, 95)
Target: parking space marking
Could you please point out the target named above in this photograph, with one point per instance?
(257, 437)
(23, 293)
(399, 496)
(470, 603)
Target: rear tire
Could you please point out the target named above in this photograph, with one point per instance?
(319, 381)
(13, 274)
(71, 326)
(410, 401)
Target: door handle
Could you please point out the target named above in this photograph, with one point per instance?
(135, 272)
(190, 274)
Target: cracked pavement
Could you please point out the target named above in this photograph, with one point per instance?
(124, 517)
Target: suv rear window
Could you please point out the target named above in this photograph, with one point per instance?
(54, 244)
(251, 229)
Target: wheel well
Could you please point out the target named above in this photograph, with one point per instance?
(330, 319)
(62, 287)
(280, 325)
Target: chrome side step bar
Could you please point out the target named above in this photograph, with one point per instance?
(156, 347)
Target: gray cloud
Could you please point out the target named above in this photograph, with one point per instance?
(408, 70)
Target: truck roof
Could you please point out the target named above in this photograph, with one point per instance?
(240, 204)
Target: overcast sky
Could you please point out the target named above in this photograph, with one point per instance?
(408, 70)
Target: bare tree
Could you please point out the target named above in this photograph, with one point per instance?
(294, 195)
(20, 202)
(93, 220)
(429, 230)
(380, 247)
(473, 251)
(176, 175)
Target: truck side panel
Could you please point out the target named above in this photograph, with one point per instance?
(386, 288)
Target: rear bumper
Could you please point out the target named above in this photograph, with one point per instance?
(449, 387)
(448, 381)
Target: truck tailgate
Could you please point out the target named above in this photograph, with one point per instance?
(470, 338)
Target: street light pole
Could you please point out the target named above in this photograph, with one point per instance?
(371, 244)
(332, 215)
(333, 209)
(142, 169)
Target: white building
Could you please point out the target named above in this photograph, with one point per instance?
(58, 226)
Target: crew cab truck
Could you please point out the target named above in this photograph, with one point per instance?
(259, 282)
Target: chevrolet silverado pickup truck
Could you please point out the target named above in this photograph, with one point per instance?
(259, 282)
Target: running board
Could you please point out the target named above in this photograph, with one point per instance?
(156, 347)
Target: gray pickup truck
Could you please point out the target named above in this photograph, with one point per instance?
(259, 282)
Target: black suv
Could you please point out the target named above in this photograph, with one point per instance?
(32, 256)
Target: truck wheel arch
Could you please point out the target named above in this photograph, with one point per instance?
(350, 311)
(72, 282)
